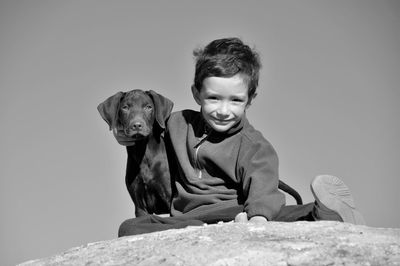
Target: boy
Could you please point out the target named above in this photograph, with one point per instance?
(222, 168)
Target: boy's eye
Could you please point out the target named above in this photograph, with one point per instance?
(212, 98)
(238, 100)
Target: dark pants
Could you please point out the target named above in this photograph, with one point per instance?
(199, 216)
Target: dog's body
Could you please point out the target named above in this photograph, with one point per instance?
(137, 119)
(147, 177)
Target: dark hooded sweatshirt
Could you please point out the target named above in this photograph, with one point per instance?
(234, 168)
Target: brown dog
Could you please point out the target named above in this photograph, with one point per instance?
(137, 119)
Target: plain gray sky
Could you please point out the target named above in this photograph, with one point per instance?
(328, 101)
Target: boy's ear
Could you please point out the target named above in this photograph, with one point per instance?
(196, 95)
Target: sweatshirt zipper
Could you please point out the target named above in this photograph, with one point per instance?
(196, 151)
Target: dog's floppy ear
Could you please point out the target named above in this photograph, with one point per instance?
(163, 107)
(109, 109)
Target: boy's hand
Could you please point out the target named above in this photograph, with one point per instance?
(242, 218)
(258, 219)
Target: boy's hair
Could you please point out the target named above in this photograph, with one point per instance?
(226, 58)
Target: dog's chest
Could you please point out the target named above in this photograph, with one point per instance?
(146, 172)
(147, 164)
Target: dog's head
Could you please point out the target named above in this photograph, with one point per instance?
(132, 115)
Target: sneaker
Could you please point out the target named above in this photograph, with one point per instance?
(333, 201)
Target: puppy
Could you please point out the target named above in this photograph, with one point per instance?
(137, 119)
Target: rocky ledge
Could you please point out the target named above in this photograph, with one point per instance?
(273, 243)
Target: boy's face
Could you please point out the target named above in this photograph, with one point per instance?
(223, 101)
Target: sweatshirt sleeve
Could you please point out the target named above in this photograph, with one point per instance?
(260, 179)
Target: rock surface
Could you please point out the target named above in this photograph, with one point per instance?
(273, 243)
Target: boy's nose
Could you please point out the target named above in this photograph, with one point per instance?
(223, 109)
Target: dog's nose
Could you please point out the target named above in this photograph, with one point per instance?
(137, 125)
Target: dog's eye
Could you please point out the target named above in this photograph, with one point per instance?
(125, 108)
(148, 107)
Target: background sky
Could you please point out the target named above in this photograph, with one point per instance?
(328, 100)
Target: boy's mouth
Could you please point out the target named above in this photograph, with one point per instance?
(222, 121)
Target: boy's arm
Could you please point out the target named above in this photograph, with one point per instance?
(260, 179)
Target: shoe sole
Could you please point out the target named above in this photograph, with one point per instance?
(332, 193)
